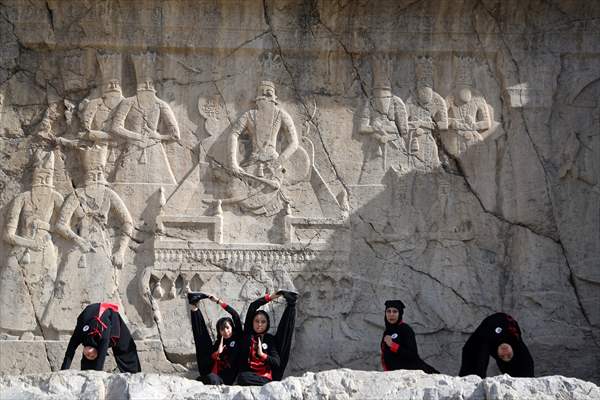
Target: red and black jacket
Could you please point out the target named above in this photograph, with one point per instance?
(248, 358)
(403, 353)
(226, 364)
(494, 330)
(98, 326)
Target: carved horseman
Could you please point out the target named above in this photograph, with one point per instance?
(259, 177)
(138, 120)
(468, 115)
(26, 282)
(427, 113)
(384, 121)
(89, 274)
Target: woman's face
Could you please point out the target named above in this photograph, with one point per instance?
(259, 323)
(392, 314)
(90, 352)
(505, 352)
(226, 331)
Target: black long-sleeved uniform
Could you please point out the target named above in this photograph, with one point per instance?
(100, 326)
(255, 370)
(492, 332)
(217, 368)
(403, 354)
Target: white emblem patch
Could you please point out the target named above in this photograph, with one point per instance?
(265, 346)
(394, 336)
(498, 330)
(232, 344)
(86, 328)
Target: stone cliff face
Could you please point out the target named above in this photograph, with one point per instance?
(341, 384)
(446, 153)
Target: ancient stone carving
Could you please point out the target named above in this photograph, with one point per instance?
(96, 114)
(427, 113)
(27, 280)
(468, 115)
(89, 271)
(384, 122)
(137, 121)
(258, 176)
(213, 110)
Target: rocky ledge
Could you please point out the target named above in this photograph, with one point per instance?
(341, 384)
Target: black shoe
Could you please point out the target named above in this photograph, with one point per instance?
(289, 296)
(194, 297)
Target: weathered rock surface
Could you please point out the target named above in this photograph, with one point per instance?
(341, 384)
(444, 152)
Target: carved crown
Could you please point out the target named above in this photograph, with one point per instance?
(463, 75)
(93, 158)
(424, 71)
(381, 65)
(110, 66)
(43, 160)
(271, 65)
(267, 83)
(144, 66)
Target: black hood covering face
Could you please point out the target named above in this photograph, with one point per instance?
(397, 304)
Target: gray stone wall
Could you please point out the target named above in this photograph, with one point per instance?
(446, 153)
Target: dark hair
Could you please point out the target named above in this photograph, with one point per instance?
(266, 316)
(221, 324)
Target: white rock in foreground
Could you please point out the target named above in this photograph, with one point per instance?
(341, 384)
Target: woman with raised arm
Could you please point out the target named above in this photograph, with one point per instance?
(99, 326)
(218, 361)
(398, 344)
(263, 357)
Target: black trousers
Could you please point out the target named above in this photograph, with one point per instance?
(284, 334)
(124, 351)
(249, 378)
(202, 342)
(211, 379)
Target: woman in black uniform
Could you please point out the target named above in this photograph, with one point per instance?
(498, 336)
(398, 344)
(263, 357)
(218, 361)
(99, 326)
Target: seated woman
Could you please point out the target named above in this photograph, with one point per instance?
(498, 336)
(263, 357)
(398, 345)
(218, 361)
(99, 326)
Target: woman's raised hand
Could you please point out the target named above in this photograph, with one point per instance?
(260, 349)
(388, 340)
(221, 346)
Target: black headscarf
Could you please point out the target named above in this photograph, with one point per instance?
(263, 312)
(397, 304)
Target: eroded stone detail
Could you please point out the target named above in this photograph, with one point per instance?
(468, 113)
(427, 114)
(89, 273)
(28, 277)
(384, 122)
(259, 175)
(456, 212)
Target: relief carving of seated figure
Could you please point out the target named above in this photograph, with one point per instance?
(272, 160)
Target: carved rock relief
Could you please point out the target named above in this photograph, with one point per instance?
(406, 135)
(260, 198)
(28, 277)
